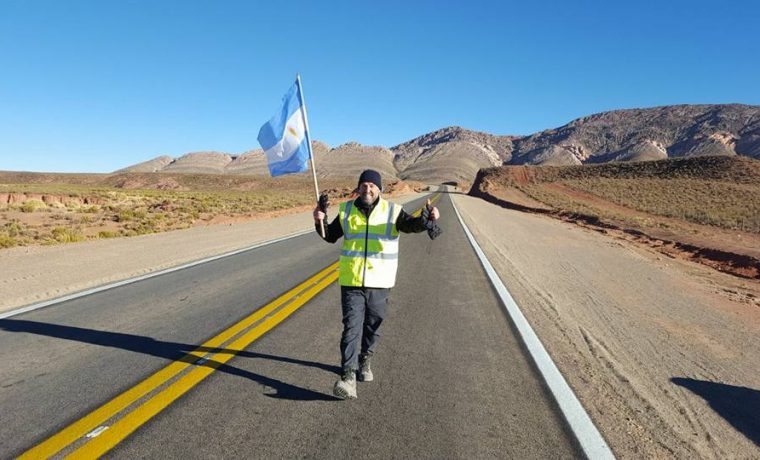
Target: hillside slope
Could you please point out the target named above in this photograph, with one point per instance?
(456, 154)
(706, 209)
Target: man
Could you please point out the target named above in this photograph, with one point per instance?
(370, 229)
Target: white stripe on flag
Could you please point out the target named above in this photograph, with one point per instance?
(291, 138)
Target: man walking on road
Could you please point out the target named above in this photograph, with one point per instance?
(370, 229)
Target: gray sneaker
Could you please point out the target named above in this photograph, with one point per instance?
(345, 387)
(365, 371)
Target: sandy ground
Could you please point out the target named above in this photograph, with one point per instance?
(662, 353)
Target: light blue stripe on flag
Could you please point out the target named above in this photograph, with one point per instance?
(283, 138)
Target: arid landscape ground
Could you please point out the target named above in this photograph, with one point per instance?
(648, 343)
(51, 208)
(642, 278)
(662, 352)
(705, 209)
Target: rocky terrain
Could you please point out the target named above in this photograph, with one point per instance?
(456, 154)
(450, 154)
(646, 134)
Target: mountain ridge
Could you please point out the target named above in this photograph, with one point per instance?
(456, 154)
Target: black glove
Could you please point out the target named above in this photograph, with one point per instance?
(433, 230)
(323, 202)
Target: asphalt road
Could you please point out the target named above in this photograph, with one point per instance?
(451, 378)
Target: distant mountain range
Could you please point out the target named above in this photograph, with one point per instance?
(456, 154)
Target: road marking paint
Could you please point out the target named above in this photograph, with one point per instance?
(96, 431)
(81, 427)
(590, 439)
(434, 198)
(136, 418)
(106, 287)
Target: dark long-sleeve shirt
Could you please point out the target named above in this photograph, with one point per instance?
(405, 222)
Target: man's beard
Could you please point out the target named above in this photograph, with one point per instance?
(366, 198)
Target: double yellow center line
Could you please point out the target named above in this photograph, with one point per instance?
(80, 438)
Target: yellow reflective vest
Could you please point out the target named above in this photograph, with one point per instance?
(369, 257)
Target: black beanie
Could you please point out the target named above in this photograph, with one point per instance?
(373, 176)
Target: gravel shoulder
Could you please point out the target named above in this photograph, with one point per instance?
(661, 352)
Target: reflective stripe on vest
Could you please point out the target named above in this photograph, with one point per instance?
(369, 256)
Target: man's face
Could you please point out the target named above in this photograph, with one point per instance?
(368, 192)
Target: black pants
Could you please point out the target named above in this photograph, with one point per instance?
(363, 312)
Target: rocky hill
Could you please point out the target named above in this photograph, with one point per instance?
(154, 165)
(350, 159)
(450, 154)
(646, 134)
(456, 154)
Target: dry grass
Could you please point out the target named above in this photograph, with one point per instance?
(717, 203)
(46, 209)
(718, 191)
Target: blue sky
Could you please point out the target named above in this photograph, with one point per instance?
(93, 86)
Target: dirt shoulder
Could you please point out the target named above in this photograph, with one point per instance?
(661, 352)
(732, 251)
(38, 273)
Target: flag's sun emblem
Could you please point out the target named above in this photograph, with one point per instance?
(292, 131)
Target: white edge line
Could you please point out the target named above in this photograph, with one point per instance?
(106, 287)
(591, 441)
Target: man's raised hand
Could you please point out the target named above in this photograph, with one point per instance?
(432, 210)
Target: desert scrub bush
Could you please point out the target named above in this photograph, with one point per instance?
(32, 206)
(125, 215)
(85, 219)
(13, 228)
(67, 234)
(7, 241)
(154, 222)
(91, 209)
(107, 234)
(143, 226)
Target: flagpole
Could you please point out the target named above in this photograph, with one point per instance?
(308, 143)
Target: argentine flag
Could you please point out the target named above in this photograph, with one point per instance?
(283, 138)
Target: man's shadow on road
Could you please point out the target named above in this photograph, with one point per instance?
(174, 351)
(739, 406)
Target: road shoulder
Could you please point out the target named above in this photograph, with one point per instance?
(636, 337)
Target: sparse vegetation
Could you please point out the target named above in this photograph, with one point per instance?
(126, 205)
(718, 203)
(67, 234)
(7, 241)
(32, 205)
(718, 191)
